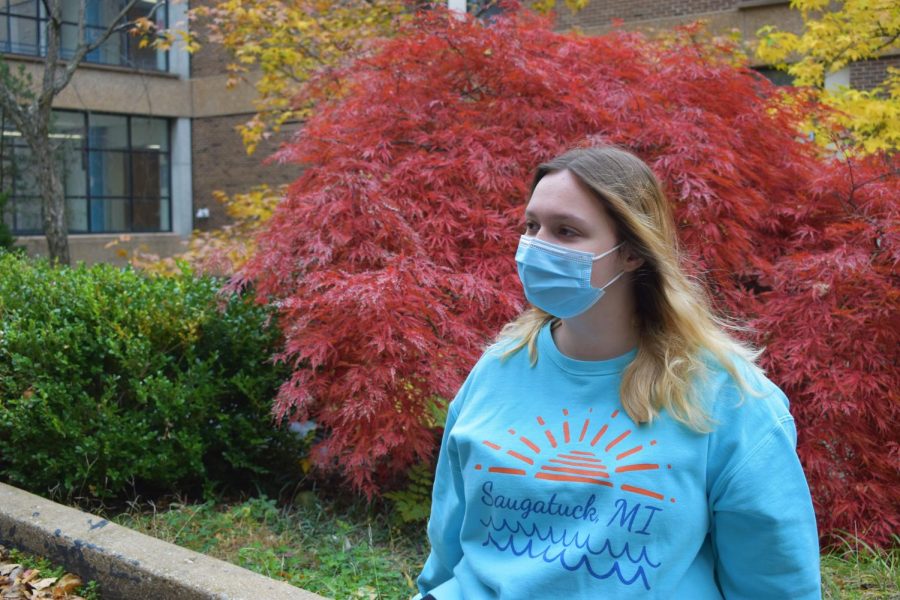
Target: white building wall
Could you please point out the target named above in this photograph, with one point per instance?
(838, 78)
(182, 186)
(182, 199)
(179, 59)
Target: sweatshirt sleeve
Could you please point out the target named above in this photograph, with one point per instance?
(445, 522)
(763, 524)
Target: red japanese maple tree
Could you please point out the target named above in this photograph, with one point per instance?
(831, 325)
(391, 258)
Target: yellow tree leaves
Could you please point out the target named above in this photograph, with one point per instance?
(223, 251)
(545, 6)
(149, 35)
(857, 30)
(288, 43)
(220, 251)
(284, 44)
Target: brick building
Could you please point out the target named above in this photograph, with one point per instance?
(747, 16)
(150, 135)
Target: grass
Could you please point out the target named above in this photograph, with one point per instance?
(341, 549)
(856, 571)
(334, 548)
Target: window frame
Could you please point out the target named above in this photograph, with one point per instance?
(98, 202)
(40, 19)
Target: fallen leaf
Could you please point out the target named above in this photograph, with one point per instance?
(29, 575)
(67, 583)
(14, 592)
(44, 583)
(8, 568)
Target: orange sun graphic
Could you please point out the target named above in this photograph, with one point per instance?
(555, 460)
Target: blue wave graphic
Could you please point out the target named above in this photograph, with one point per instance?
(583, 561)
(568, 540)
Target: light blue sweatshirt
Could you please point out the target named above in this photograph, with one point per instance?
(545, 488)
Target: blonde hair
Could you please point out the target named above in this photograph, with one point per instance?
(677, 327)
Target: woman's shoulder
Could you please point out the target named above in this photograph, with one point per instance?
(500, 356)
(736, 370)
(753, 431)
(743, 400)
(498, 359)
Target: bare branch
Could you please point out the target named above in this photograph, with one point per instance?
(54, 27)
(82, 8)
(84, 48)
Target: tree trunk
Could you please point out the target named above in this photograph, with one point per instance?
(31, 111)
(53, 198)
(53, 202)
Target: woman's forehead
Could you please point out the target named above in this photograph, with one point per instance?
(561, 195)
(556, 216)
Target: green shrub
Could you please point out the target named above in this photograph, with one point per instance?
(413, 502)
(112, 379)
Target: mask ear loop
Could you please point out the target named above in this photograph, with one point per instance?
(611, 281)
(599, 256)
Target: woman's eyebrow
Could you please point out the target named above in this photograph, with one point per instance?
(556, 217)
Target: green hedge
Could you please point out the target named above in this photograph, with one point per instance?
(112, 380)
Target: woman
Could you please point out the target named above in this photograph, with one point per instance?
(615, 442)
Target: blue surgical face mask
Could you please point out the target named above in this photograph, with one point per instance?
(558, 279)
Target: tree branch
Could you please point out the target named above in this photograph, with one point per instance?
(84, 48)
(827, 64)
(54, 26)
(82, 9)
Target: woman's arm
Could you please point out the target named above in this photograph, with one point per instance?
(445, 523)
(763, 525)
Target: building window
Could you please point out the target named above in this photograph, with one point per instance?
(776, 76)
(757, 3)
(487, 10)
(23, 30)
(116, 174)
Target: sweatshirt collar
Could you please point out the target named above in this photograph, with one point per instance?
(547, 347)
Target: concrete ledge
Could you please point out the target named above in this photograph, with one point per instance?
(127, 564)
(91, 248)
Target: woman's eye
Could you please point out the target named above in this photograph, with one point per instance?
(530, 226)
(566, 232)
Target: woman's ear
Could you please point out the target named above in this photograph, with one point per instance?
(632, 260)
